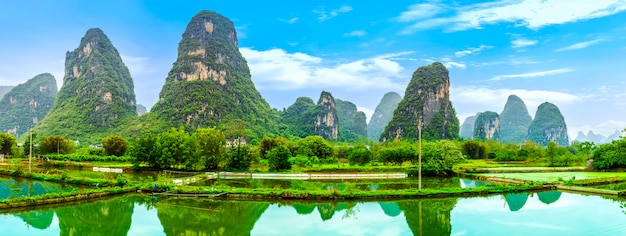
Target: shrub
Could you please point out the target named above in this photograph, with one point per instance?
(300, 161)
(55, 144)
(314, 146)
(115, 145)
(360, 156)
(474, 149)
(278, 158)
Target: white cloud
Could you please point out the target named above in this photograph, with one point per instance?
(532, 14)
(368, 112)
(326, 15)
(522, 42)
(290, 21)
(421, 11)
(278, 69)
(470, 51)
(356, 33)
(448, 63)
(580, 45)
(531, 74)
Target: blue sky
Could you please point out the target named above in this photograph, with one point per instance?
(570, 53)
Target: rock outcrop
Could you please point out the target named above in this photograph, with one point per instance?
(210, 83)
(487, 126)
(427, 97)
(467, 128)
(299, 117)
(382, 115)
(548, 126)
(97, 93)
(326, 121)
(27, 104)
(514, 121)
(352, 123)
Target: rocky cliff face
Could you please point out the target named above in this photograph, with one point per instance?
(27, 104)
(97, 93)
(4, 90)
(548, 126)
(467, 128)
(382, 115)
(326, 121)
(514, 121)
(210, 81)
(300, 117)
(426, 98)
(352, 123)
(487, 126)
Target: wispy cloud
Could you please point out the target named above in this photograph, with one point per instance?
(470, 51)
(356, 33)
(531, 74)
(137, 65)
(278, 69)
(532, 14)
(448, 63)
(290, 21)
(324, 15)
(422, 11)
(522, 42)
(580, 45)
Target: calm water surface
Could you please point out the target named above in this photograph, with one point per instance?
(545, 213)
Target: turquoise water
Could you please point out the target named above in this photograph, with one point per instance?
(545, 213)
(23, 187)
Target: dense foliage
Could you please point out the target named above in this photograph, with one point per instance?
(55, 144)
(313, 146)
(97, 93)
(7, 143)
(514, 121)
(548, 126)
(360, 156)
(300, 118)
(26, 104)
(610, 155)
(352, 123)
(382, 115)
(278, 158)
(428, 86)
(115, 145)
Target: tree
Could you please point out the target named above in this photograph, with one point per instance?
(278, 158)
(552, 152)
(55, 144)
(360, 156)
(209, 147)
(115, 145)
(474, 149)
(439, 157)
(173, 147)
(314, 146)
(268, 144)
(144, 150)
(7, 143)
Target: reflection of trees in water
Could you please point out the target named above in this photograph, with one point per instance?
(304, 209)
(390, 208)
(428, 216)
(327, 209)
(208, 217)
(516, 201)
(549, 197)
(37, 219)
(23, 187)
(104, 217)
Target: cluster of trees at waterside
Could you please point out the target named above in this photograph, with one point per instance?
(224, 149)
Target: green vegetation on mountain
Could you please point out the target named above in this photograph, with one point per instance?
(97, 93)
(487, 126)
(299, 117)
(210, 83)
(4, 90)
(467, 128)
(326, 122)
(352, 123)
(548, 126)
(514, 121)
(27, 104)
(382, 115)
(426, 98)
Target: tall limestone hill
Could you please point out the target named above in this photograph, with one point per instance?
(427, 97)
(352, 123)
(141, 109)
(467, 128)
(487, 126)
(97, 93)
(548, 126)
(382, 115)
(300, 118)
(514, 121)
(4, 90)
(591, 137)
(326, 121)
(26, 104)
(210, 84)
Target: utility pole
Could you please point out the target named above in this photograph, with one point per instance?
(419, 161)
(30, 153)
